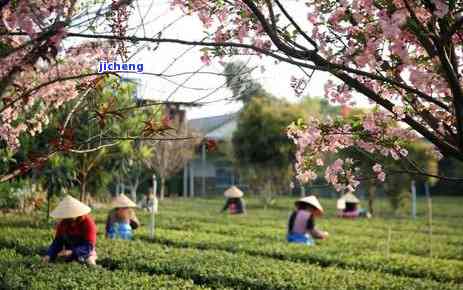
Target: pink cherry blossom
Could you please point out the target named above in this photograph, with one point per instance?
(382, 176)
(205, 59)
(369, 123)
(394, 154)
(403, 152)
(242, 32)
(373, 41)
(442, 8)
(377, 168)
(399, 111)
(312, 18)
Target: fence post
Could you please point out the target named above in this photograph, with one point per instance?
(153, 207)
(203, 165)
(413, 199)
(192, 180)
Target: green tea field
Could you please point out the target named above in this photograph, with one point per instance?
(196, 247)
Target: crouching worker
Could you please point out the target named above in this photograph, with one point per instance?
(75, 237)
(348, 206)
(121, 221)
(301, 225)
(235, 202)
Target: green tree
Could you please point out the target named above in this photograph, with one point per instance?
(131, 162)
(58, 177)
(398, 182)
(452, 168)
(114, 122)
(261, 147)
(317, 107)
(397, 185)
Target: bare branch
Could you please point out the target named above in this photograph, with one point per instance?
(94, 149)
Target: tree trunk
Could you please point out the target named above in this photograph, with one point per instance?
(163, 187)
(83, 188)
(133, 190)
(119, 185)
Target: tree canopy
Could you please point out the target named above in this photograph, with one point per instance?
(403, 56)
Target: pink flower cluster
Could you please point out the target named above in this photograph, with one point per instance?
(226, 22)
(377, 132)
(340, 174)
(378, 170)
(32, 17)
(42, 88)
(340, 94)
(39, 75)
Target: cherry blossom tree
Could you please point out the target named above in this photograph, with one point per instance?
(403, 55)
(44, 65)
(38, 73)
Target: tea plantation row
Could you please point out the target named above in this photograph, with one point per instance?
(196, 247)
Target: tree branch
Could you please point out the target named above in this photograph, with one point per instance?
(298, 28)
(273, 34)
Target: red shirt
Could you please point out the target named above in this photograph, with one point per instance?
(84, 228)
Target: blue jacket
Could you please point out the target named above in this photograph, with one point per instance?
(119, 230)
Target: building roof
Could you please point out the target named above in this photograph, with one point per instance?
(208, 124)
(217, 127)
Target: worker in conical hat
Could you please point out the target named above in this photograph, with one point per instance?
(348, 206)
(235, 202)
(75, 237)
(301, 224)
(121, 221)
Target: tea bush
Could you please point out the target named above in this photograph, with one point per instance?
(195, 247)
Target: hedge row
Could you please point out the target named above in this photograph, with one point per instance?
(372, 228)
(277, 219)
(397, 264)
(218, 269)
(342, 237)
(20, 272)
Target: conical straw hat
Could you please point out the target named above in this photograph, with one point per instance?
(312, 200)
(70, 207)
(350, 198)
(122, 201)
(233, 192)
(341, 203)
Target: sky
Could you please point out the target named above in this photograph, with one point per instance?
(275, 78)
